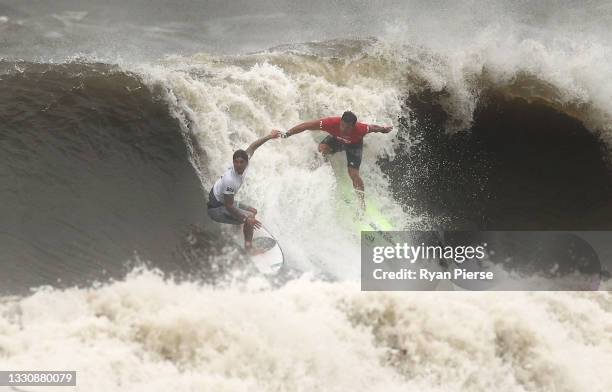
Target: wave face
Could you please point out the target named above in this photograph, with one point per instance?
(147, 141)
(94, 168)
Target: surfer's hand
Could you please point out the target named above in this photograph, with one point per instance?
(251, 221)
(386, 129)
(275, 134)
(253, 210)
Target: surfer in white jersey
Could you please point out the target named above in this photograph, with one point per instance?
(221, 204)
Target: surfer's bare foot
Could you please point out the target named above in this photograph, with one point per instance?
(359, 214)
(361, 201)
(248, 246)
(255, 251)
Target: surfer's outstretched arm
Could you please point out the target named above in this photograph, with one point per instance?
(313, 125)
(257, 143)
(379, 129)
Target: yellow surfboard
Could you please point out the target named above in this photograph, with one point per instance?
(372, 219)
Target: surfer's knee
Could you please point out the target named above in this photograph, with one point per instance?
(353, 173)
(324, 148)
(247, 223)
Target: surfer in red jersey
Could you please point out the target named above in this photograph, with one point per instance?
(345, 133)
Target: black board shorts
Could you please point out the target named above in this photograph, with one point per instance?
(218, 212)
(222, 215)
(353, 151)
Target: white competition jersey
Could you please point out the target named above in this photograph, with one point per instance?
(229, 183)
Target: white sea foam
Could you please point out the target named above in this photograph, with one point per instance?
(148, 333)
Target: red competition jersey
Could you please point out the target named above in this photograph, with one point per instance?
(331, 125)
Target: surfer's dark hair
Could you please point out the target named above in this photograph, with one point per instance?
(349, 117)
(240, 154)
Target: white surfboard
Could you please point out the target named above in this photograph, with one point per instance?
(271, 258)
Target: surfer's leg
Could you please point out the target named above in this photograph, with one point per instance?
(246, 207)
(356, 178)
(329, 145)
(247, 230)
(324, 149)
(358, 185)
(222, 215)
(353, 159)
